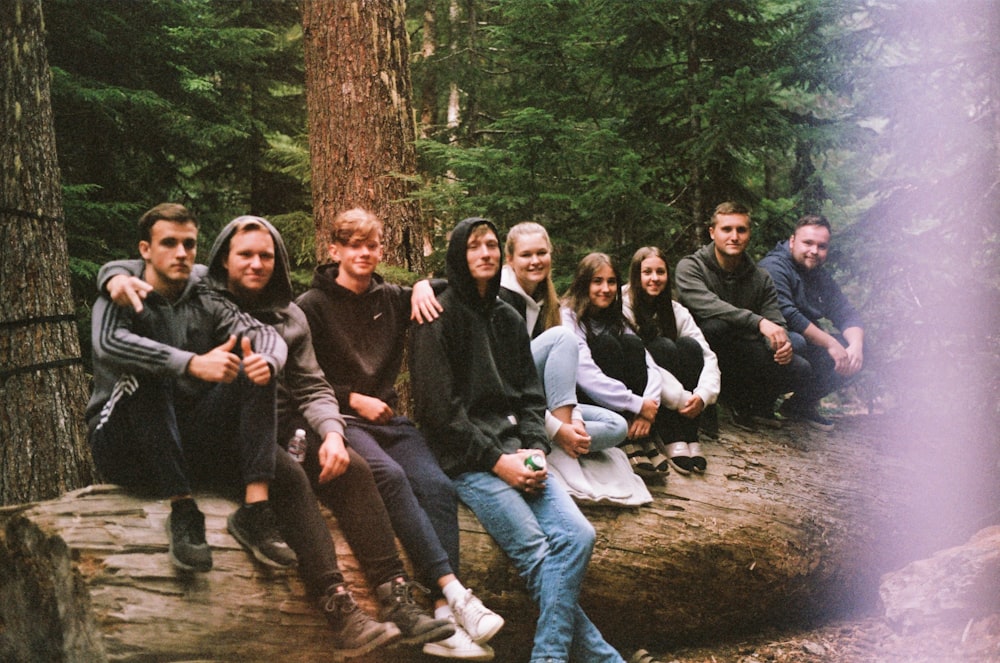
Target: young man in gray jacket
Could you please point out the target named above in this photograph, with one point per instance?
(177, 399)
(736, 307)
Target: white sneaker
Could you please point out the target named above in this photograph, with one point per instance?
(459, 646)
(479, 622)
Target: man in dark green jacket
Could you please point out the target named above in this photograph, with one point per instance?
(736, 307)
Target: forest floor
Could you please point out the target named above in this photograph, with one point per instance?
(868, 637)
(862, 640)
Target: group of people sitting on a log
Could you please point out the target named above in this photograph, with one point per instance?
(201, 373)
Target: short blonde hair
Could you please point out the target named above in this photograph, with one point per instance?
(353, 223)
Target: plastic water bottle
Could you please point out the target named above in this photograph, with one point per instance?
(297, 445)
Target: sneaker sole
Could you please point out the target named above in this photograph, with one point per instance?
(387, 637)
(183, 566)
(254, 551)
(820, 426)
(483, 638)
(434, 649)
(433, 635)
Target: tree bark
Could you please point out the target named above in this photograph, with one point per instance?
(361, 124)
(775, 533)
(43, 390)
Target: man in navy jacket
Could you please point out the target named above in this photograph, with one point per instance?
(808, 294)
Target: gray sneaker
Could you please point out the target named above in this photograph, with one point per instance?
(186, 532)
(398, 606)
(355, 633)
(256, 528)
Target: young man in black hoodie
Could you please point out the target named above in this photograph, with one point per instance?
(479, 398)
(359, 325)
(249, 265)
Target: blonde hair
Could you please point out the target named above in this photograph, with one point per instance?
(549, 300)
(355, 222)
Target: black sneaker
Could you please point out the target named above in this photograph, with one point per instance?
(709, 422)
(768, 419)
(256, 528)
(355, 633)
(810, 416)
(186, 532)
(398, 606)
(742, 419)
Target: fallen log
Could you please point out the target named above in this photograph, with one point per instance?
(775, 533)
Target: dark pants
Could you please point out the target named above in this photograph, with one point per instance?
(419, 496)
(684, 360)
(823, 378)
(161, 442)
(751, 379)
(622, 358)
(354, 500)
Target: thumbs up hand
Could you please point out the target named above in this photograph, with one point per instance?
(217, 365)
(254, 365)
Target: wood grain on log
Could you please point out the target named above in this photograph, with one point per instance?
(774, 533)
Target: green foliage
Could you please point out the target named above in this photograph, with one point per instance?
(623, 124)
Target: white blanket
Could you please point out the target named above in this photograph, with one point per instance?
(603, 477)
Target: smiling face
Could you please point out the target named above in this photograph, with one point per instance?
(531, 261)
(359, 256)
(169, 254)
(603, 287)
(653, 275)
(250, 263)
(482, 252)
(731, 234)
(809, 246)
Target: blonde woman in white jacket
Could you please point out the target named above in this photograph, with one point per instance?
(689, 369)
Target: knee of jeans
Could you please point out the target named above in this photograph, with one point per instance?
(799, 343)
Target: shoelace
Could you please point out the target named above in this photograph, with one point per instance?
(472, 608)
(403, 591)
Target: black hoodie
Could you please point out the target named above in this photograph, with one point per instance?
(475, 385)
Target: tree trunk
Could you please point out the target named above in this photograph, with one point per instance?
(361, 125)
(43, 389)
(775, 533)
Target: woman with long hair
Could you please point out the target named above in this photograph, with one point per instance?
(689, 370)
(526, 284)
(615, 371)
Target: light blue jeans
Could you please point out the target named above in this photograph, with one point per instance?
(549, 541)
(557, 355)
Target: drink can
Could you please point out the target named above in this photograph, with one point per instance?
(535, 461)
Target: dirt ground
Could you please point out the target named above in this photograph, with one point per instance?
(867, 640)
(870, 638)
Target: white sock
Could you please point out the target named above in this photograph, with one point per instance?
(453, 591)
(443, 612)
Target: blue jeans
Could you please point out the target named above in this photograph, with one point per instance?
(824, 378)
(557, 355)
(549, 541)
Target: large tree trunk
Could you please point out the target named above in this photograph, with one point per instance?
(43, 449)
(777, 532)
(361, 125)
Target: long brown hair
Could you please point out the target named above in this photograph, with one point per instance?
(549, 299)
(577, 296)
(654, 316)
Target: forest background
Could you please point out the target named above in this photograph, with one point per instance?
(616, 125)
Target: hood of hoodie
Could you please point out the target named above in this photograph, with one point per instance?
(457, 265)
(278, 292)
(325, 279)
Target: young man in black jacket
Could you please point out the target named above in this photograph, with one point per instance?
(480, 401)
